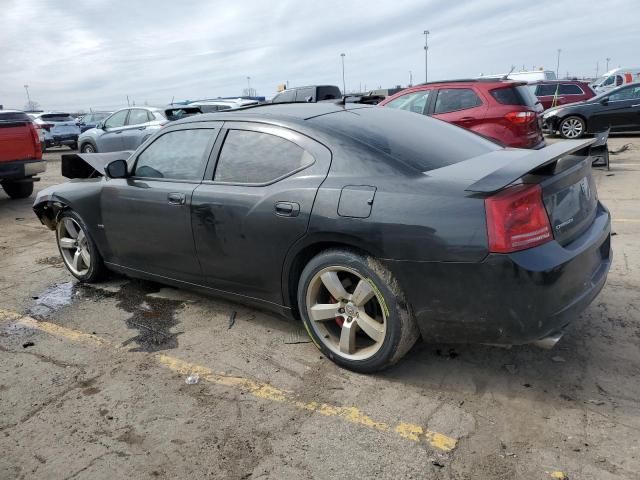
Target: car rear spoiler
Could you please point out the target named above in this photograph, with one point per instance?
(529, 162)
(88, 165)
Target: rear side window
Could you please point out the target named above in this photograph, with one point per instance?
(454, 99)
(57, 117)
(415, 102)
(255, 157)
(137, 116)
(14, 117)
(519, 95)
(570, 89)
(543, 90)
(286, 96)
(177, 155)
(329, 93)
(306, 94)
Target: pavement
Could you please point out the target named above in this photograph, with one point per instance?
(127, 378)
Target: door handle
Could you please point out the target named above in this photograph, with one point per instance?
(287, 209)
(141, 128)
(119, 131)
(467, 119)
(176, 198)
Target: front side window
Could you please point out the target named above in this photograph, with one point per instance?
(137, 117)
(177, 155)
(629, 93)
(608, 81)
(454, 99)
(415, 102)
(255, 157)
(286, 96)
(117, 119)
(87, 118)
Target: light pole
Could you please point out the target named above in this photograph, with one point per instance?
(26, 87)
(608, 60)
(344, 85)
(410, 78)
(558, 64)
(249, 85)
(426, 55)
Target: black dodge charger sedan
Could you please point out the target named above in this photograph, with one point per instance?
(374, 226)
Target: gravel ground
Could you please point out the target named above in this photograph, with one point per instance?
(92, 381)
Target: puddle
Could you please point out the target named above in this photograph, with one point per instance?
(152, 316)
(53, 299)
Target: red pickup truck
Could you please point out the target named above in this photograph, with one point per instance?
(20, 154)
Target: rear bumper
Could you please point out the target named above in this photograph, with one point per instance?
(61, 140)
(509, 299)
(21, 169)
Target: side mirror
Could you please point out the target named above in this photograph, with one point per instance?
(116, 169)
(100, 125)
(604, 101)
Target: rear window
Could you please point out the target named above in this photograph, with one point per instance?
(519, 95)
(57, 117)
(14, 117)
(421, 142)
(214, 108)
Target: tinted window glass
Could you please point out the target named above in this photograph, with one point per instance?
(544, 90)
(178, 155)
(286, 96)
(418, 141)
(629, 93)
(519, 95)
(414, 102)
(329, 93)
(137, 116)
(117, 119)
(14, 116)
(619, 80)
(609, 81)
(254, 157)
(453, 99)
(57, 117)
(570, 89)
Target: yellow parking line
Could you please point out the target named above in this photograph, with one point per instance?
(265, 391)
(626, 220)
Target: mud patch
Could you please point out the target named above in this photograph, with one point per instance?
(55, 261)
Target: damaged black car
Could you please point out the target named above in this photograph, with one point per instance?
(373, 226)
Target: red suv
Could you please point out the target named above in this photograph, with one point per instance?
(20, 153)
(502, 110)
(560, 92)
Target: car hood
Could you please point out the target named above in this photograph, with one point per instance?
(89, 165)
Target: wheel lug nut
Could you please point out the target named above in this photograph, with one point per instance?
(341, 310)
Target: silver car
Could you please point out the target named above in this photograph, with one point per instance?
(125, 129)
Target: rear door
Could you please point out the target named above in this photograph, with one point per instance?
(147, 217)
(460, 106)
(111, 139)
(135, 128)
(255, 202)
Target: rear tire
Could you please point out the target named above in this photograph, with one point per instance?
(77, 248)
(572, 128)
(361, 320)
(73, 146)
(17, 190)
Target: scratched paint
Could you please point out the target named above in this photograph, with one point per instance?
(265, 391)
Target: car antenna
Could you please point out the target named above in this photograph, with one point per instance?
(506, 77)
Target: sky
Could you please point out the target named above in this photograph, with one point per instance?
(78, 55)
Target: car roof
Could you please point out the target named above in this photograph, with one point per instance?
(288, 112)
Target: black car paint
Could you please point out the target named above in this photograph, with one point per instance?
(426, 228)
(600, 114)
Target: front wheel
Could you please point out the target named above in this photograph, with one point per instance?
(77, 248)
(572, 128)
(354, 311)
(88, 148)
(17, 190)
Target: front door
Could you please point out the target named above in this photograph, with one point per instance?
(111, 139)
(621, 113)
(146, 217)
(255, 205)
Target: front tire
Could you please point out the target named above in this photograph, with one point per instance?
(77, 248)
(88, 148)
(572, 128)
(18, 190)
(354, 311)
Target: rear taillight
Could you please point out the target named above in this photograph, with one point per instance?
(521, 117)
(46, 126)
(36, 141)
(517, 219)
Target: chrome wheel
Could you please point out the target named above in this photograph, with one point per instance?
(74, 246)
(345, 311)
(572, 128)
